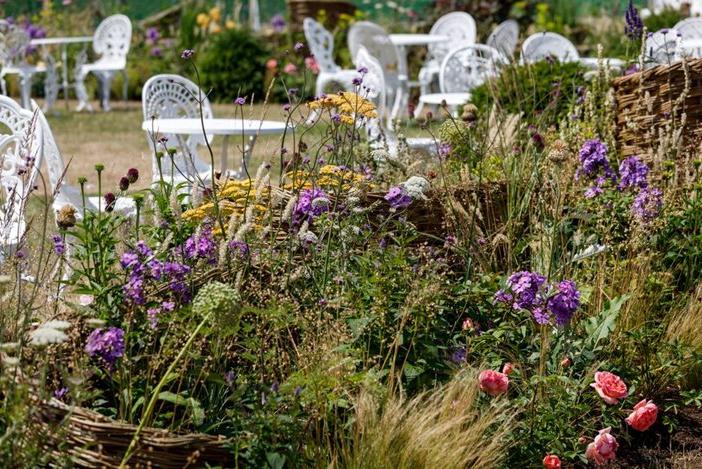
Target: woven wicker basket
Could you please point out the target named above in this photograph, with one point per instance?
(92, 440)
(645, 103)
(301, 9)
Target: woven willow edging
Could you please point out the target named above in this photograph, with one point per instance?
(650, 101)
(91, 440)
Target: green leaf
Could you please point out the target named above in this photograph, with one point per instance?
(412, 371)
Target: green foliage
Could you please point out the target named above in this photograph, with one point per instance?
(233, 65)
(665, 19)
(680, 242)
(543, 91)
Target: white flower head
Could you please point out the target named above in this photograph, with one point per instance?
(320, 202)
(307, 237)
(416, 186)
(46, 336)
(57, 324)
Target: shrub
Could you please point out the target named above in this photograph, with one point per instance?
(543, 90)
(233, 64)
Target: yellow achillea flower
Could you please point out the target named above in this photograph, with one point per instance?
(349, 106)
(234, 197)
(329, 177)
(202, 20)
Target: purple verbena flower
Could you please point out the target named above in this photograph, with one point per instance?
(59, 246)
(187, 53)
(278, 23)
(108, 345)
(633, 173)
(647, 204)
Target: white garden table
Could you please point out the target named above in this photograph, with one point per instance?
(691, 47)
(403, 42)
(224, 127)
(64, 42)
(592, 62)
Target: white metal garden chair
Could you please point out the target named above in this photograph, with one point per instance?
(690, 30)
(172, 97)
(321, 44)
(462, 70)
(662, 48)
(505, 37)
(460, 28)
(545, 46)
(20, 158)
(14, 42)
(378, 44)
(111, 42)
(66, 194)
(374, 89)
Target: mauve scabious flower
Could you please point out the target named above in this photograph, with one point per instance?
(633, 173)
(59, 247)
(565, 302)
(398, 197)
(240, 101)
(107, 345)
(310, 205)
(647, 204)
(187, 53)
(278, 23)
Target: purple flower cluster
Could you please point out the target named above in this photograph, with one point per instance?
(202, 246)
(529, 291)
(143, 268)
(633, 173)
(398, 197)
(310, 204)
(594, 166)
(633, 23)
(239, 248)
(108, 345)
(59, 246)
(278, 23)
(647, 204)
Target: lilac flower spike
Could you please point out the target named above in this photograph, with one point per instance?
(647, 204)
(633, 173)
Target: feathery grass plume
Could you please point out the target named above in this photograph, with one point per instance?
(685, 326)
(439, 428)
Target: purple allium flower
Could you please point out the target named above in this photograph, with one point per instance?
(187, 53)
(311, 203)
(133, 175)
(240, 101)
(278, 23)
(633, 24)
(398, 197)
(633, 173)
(565, 302)
(647, 204)
(124, 183)
(59, 247)
(108, 345)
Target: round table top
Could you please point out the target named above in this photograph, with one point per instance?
(417, 39)
(452, 99)
(188, 126)
(48, 41)
(591, 62)
(691, 43)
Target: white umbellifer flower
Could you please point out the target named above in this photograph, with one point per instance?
(9, 346)
(95, 322)
(380, 155)
(416, 186)
(56, 324)
(46, 336)
(320, 202)
(307, 237)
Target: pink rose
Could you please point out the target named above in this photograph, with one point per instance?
(603, 449)
(609, 386)
(312, 65)
(271, 64)
(644, 415)
(508, 368)
(290, 68)
(493, 382)
(551, 461)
